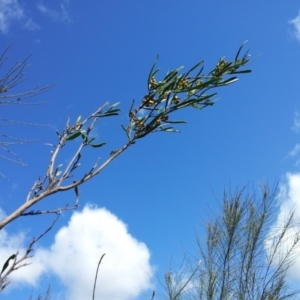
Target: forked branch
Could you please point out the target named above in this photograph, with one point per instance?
(174, 92)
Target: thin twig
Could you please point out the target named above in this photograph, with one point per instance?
(54, 211)
(153, 294)
(97, 275)
(16, 263)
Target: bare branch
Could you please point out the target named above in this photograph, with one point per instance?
(17, 263)
(11, 78)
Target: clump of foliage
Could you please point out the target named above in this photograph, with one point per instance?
(241, 259)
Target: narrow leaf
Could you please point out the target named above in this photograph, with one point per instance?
(176, 122)
(131, 107)
(168, 86)
(92, 139)
(194, 100)
(113, 106)
(239, 51)
(240, 72)
(172, 74)
(229, 81)
(78, 119)
(57, 173)
(107, 115)
(126, 130)
(7, 263)
(76, 192)
(151, 71)
(74, 136)
(97, 145)
(193, 68)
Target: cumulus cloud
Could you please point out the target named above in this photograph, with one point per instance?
(10, 11)
(124, 273)
(289, 196)
(296, 24)
(60, 14)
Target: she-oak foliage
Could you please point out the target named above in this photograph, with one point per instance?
(240, 258)
(177, 90)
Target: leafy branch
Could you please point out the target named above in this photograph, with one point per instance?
(174, 92)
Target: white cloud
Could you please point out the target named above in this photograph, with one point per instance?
(296, 126)
(296, 23)
(10, 11)
(125, 270)
(58, 15)
(11, 244)
(31, 25)
(289, 196)
(295, 150)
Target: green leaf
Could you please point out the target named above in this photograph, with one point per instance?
(176, 122)
(57, 172)
(194, 100)
(7, 263)
(239, 51)
(172, 74)
(240, 72)
(84, 137)
(112, 111)
(151, 71)
(158, 116)
(195, 105)
(76, 191)
(156, 71)
(126, 130)
(108, 114)
(92, 139)
(97, 145)
(172, 130)
(73, 136)
(78, 119)
(201, 85)
(193, 68)
(169, 129)
(168, 85)
(229, 81)
(110, 108)
(131, 107)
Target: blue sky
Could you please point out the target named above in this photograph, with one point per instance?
(144, 208)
